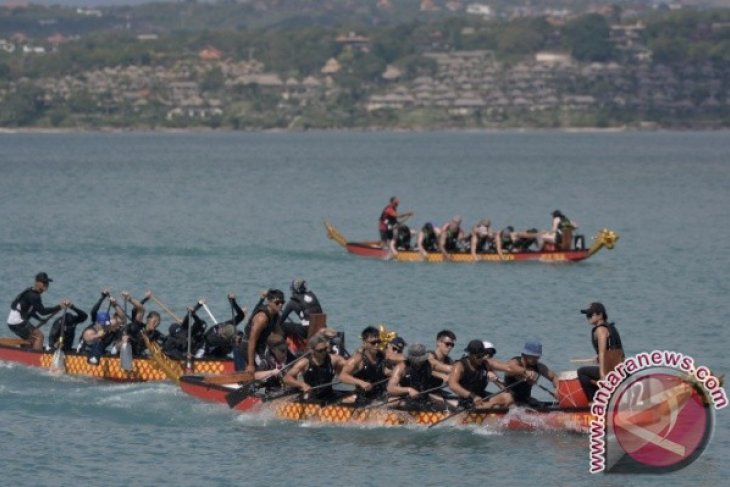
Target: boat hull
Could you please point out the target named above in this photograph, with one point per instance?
(374, 250)
(109, 368)
(560, 419)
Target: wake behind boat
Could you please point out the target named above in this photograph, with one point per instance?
(290, 407)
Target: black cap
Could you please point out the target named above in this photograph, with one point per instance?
(43, 277)
(595, 308)
(475, 347)
(274, 294)
(398, 343)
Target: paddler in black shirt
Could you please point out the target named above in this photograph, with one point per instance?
(317, 371)
(366, 369)
(27, 305)
(413, 377)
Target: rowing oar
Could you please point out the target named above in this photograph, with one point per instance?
(321, 386)
(392, 400)
(474, 406)
(58, 361)
(583, 360)
(165, 308)
(238, 395)
(207, 310)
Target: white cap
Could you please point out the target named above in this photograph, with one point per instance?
(488, 345)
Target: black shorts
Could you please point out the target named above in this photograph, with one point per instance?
(24, 330)
(386, 235)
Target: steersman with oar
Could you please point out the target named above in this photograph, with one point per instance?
(27, 305)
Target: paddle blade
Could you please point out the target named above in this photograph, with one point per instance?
(58, 362)
(235, 397)
(229, 378)
(125, 358)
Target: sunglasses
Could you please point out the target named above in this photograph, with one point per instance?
(479, 355)
(373, 342)
(396, 349)
(321, 350)
(449, 344)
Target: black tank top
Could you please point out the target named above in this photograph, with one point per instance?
(316, 375)
(272, 318)
(474, 380)
(418, 378)
(522, 391)
(614, 339)
(373, 372)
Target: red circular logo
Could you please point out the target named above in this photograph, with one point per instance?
(661, 420)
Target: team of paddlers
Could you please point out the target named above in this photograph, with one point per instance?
(281, 353)
(450, 237)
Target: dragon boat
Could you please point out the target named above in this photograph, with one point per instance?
(158, 367)
(373, 249)
(290, 407)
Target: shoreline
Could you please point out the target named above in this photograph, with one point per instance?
(206, 130)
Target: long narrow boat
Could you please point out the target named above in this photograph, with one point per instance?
(109, 368)
(604, 238)
(575, 419)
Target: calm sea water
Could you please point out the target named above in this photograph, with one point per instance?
(200, 215)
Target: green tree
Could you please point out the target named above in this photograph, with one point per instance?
(588, 38)
(22, 107)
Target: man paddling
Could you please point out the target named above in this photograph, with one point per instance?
(413, 378)
(27, 305)
(521, 373)
(441, 363)
(366, 369)
(317, 371)
(607, 344)
(389, 219)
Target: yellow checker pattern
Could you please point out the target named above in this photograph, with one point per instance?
(143, 369)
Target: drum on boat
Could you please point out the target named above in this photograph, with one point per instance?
(570, 392)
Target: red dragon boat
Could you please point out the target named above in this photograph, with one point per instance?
(156, 368)
(373, 249)
(552, 418)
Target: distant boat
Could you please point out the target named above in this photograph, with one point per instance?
(373, 249)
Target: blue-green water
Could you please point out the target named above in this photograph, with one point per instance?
(200, 215)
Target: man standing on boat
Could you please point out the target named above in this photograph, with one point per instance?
(303, 303)
(27, 305)
(607, 344)
(389, 219)
(262, 323)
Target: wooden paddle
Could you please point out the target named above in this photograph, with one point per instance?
(13, 342)
(393, 400)
(165, 308)
(58, 361)
(235, 397)
(232, 378)
(474, 406)
(583, 360)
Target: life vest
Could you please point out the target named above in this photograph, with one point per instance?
(522, 391)
(272, 320)
(420, 378)
(387, 222)
(474, 380)
(430, 242)
(372, 372)
(614, 339)
(316, 375)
